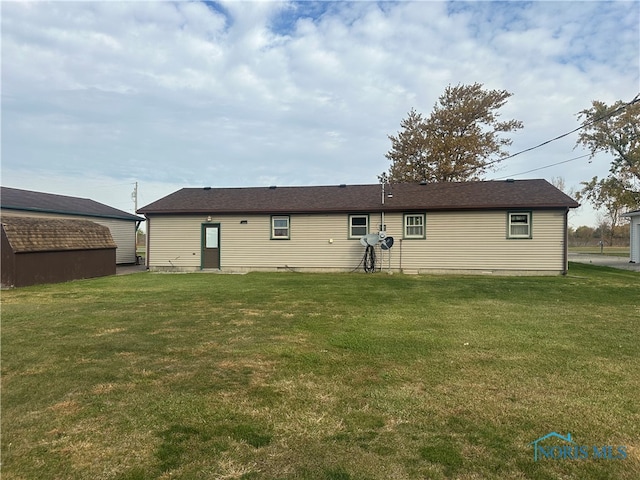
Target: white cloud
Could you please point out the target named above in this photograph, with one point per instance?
(255, 93)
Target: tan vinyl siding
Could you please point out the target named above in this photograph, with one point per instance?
(309, 246)
(122, 231)
(175, 241)
(316, 242)
(456, 241)
(478, 241)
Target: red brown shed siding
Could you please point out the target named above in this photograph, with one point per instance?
(36, 251)
(123, 225)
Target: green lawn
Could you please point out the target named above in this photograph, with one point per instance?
(614, 251)
(318, 376)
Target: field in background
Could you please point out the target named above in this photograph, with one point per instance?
(614, 251)
(314, 376)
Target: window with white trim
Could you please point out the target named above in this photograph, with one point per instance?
(280, 227)
(519, 224)
(414, 225)
(358, 226)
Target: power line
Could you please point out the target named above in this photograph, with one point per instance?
(584, 125)
(587, 124)
(542, 168)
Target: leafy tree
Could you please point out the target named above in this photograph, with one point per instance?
(459, 141)
(615, 129)
(622, 235)
(612, 195)
(582, 235)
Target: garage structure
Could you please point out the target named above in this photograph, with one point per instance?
(122, 225)
(47, 250)
(634, 233)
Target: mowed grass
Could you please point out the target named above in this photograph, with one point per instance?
(318, 376)
(607, 250)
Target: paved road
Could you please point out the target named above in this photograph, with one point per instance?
(605, 260)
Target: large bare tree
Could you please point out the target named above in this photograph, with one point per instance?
(461, 139)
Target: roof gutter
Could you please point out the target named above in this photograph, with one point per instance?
(565, 250)
(372, 208)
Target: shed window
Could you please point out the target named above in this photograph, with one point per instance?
(414, 226)
(519, 224)
(280, 228)
(358, 226)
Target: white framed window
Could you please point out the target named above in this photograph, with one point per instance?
(414, 225)
(280, 227)
(358, 226)
(519, 225)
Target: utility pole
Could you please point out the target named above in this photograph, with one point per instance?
(134, 197)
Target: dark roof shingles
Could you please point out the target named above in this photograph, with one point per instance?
(364, 198)
(17, 199)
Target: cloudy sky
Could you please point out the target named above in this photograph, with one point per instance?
(99, 95)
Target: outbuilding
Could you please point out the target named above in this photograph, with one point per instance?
(505, 227)
(122, 225)
(47, 250)
(634, 234)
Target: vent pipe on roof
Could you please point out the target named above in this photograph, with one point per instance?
(207, 188)
(509, 180)
(272, 187)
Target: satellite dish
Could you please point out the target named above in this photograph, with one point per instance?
(372, 239)
(387, 243)
(363, 242)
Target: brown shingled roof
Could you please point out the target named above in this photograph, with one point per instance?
(364, 198)
(43, 234)
(27, 200)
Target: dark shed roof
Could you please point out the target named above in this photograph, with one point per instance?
(46, 234)
(26, 200)
(365, 198)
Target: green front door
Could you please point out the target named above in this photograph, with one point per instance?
(211, 245)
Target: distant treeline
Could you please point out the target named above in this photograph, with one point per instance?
(585, 236)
